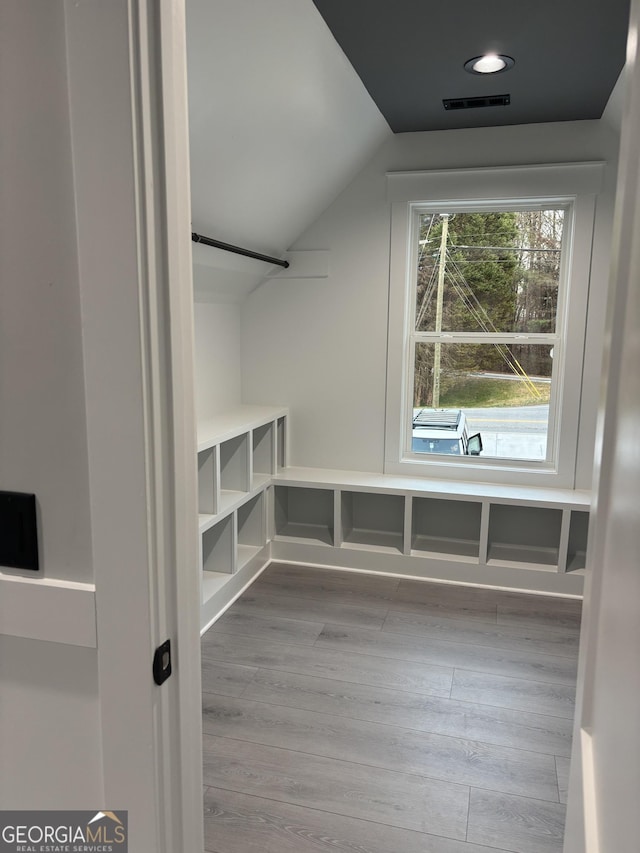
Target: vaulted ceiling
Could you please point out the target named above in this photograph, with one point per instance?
(410, 55)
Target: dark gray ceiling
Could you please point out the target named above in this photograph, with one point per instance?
(410, 55)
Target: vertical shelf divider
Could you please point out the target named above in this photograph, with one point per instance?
(484, 533)
(282, 450)
(270, 509)
(563, 548)
(337, 518)
(249, 484)
(408, 525)
(217, 487)
(206, 482)
(234, 539)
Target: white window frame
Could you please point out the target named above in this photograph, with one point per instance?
(575, 185)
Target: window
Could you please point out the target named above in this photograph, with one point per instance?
(487, 317)
(486, 288)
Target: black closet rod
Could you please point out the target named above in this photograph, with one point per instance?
(218, 244)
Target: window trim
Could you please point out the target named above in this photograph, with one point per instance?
(571, 183)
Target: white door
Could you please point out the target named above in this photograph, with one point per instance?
(604, 793)
(128, 106)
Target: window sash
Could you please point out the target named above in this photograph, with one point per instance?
(488, 461)
(552, 339)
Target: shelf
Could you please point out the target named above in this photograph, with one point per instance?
(251, 523)
(262, 442)
(234, 464)
(259, 480)
(464, 532)
(207, 481)
(446, 527)
(246, 553)
(212, 582)
(374, 540)
(456, 532)
(232, 423)
(524, 535)
(313, 534)
(374, 521)
(523, 556)
(443, 547)
(577, 547)
(304, 514)
(281, 443)
(534, 496)
(238, 454)
(205, 521)
(217, 548)
(577, 562)
(230, 499)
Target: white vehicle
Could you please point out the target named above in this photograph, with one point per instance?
(443, 431)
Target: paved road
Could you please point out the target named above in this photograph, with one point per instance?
(511, 433)
(510, 377)
(520, 419)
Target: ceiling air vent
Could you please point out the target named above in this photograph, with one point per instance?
(469, 103)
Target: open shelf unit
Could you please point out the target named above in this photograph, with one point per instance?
(305, 515)
(237, 457)
(252, 536)
(512, 536)
(217, 547)
(446, 528)
(526, 536)
(371, 520)
(254, 508)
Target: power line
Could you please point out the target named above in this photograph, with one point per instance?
(502, 248)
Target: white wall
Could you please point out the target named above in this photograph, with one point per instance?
(217, 359)
(279, 123)
(49, 726)
(279, 120)
(43, 444)
(49, 720)
(320, 346)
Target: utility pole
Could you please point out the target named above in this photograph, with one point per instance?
(439, 300)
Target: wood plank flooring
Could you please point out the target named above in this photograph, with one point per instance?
(351, 712)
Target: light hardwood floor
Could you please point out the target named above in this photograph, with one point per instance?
(348, 712)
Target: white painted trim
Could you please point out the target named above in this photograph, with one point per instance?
(425, 569)
(466, 189)
(589, 789)
(416, 486)
(531, 181)
(182, 737)
(55, 611)
(138, 344)
(105, 59)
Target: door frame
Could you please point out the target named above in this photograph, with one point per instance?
(596, 813)
(126, 65)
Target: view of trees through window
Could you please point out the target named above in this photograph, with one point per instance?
(485, 323)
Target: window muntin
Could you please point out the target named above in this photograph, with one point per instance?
(488, 293)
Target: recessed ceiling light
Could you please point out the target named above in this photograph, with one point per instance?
(490, 63)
